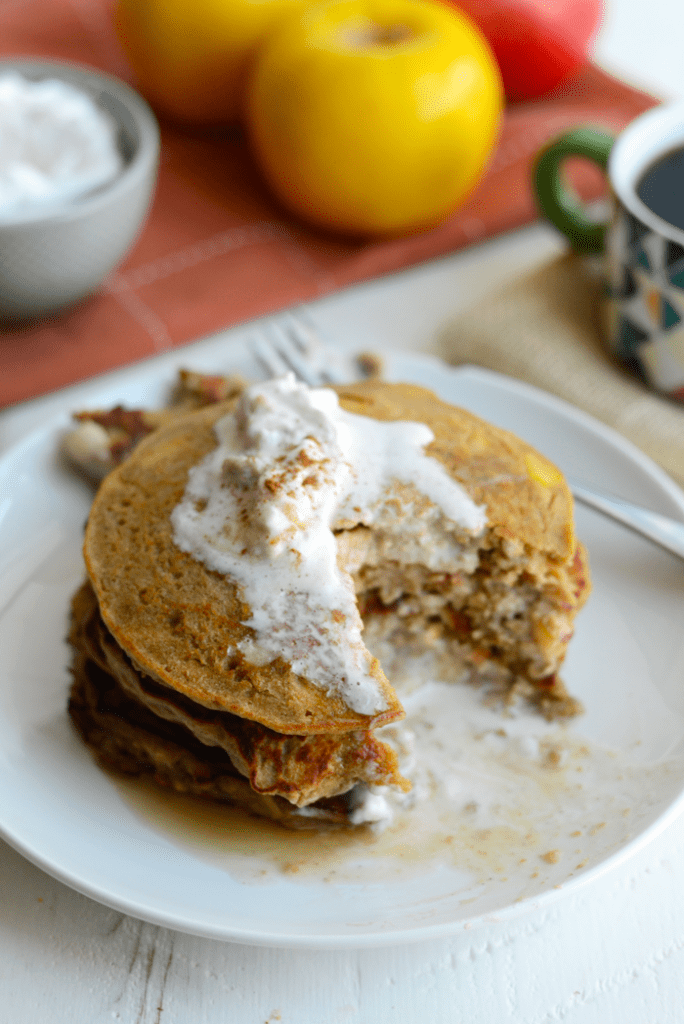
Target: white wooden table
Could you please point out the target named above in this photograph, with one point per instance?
(613, 951)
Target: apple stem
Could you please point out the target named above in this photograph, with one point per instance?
(380, 35)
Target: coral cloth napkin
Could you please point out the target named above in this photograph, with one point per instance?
(546, 329)
(217, 249)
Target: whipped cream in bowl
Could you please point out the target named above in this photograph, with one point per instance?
(56, 145)
(78, 164)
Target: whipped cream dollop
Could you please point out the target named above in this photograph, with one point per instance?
(262, 507)
(56, 144)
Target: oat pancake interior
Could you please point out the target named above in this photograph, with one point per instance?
(161, 633)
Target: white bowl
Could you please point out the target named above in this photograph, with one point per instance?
(52, 259)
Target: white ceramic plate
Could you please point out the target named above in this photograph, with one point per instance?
(178, 864)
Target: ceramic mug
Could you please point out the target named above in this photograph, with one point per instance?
(643, 249)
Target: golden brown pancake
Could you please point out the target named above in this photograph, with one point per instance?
(301, 769)
(526, 496)
(123, 737)
(176, 618)
(153, 626)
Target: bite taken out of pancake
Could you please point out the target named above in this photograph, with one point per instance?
(169, 637)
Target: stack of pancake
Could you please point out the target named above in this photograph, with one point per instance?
(162, 688)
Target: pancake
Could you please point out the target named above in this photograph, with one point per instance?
(300, 769)
(124, 739)
(169, 637)
(174, 617)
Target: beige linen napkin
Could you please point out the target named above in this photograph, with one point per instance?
(546, 329)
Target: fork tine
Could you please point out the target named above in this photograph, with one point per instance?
(277, 354)
(268, 356)
(303, 335)
(326, 360)
(298, 353)
(292, 343)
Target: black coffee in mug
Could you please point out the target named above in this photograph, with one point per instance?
(661, 187)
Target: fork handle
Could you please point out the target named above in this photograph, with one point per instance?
(662, 530)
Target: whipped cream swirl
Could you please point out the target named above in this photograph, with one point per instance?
(262, 506)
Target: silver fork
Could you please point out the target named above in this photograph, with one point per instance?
(291, 343)
(666, 532)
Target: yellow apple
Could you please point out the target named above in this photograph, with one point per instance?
(190, 58)
(374, 116)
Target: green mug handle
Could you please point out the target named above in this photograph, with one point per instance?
(558, 203)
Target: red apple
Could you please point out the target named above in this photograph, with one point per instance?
(537, 43)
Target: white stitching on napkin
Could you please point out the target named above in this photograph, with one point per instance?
(208, 248)
(119, 288)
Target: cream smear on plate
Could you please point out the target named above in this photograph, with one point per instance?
(56, 145)
(261, 508)
(504, 805)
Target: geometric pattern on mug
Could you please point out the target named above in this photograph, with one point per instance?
(663, 358)
(652, 302)
(669, 315)
(674, 261)
(645, 283)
